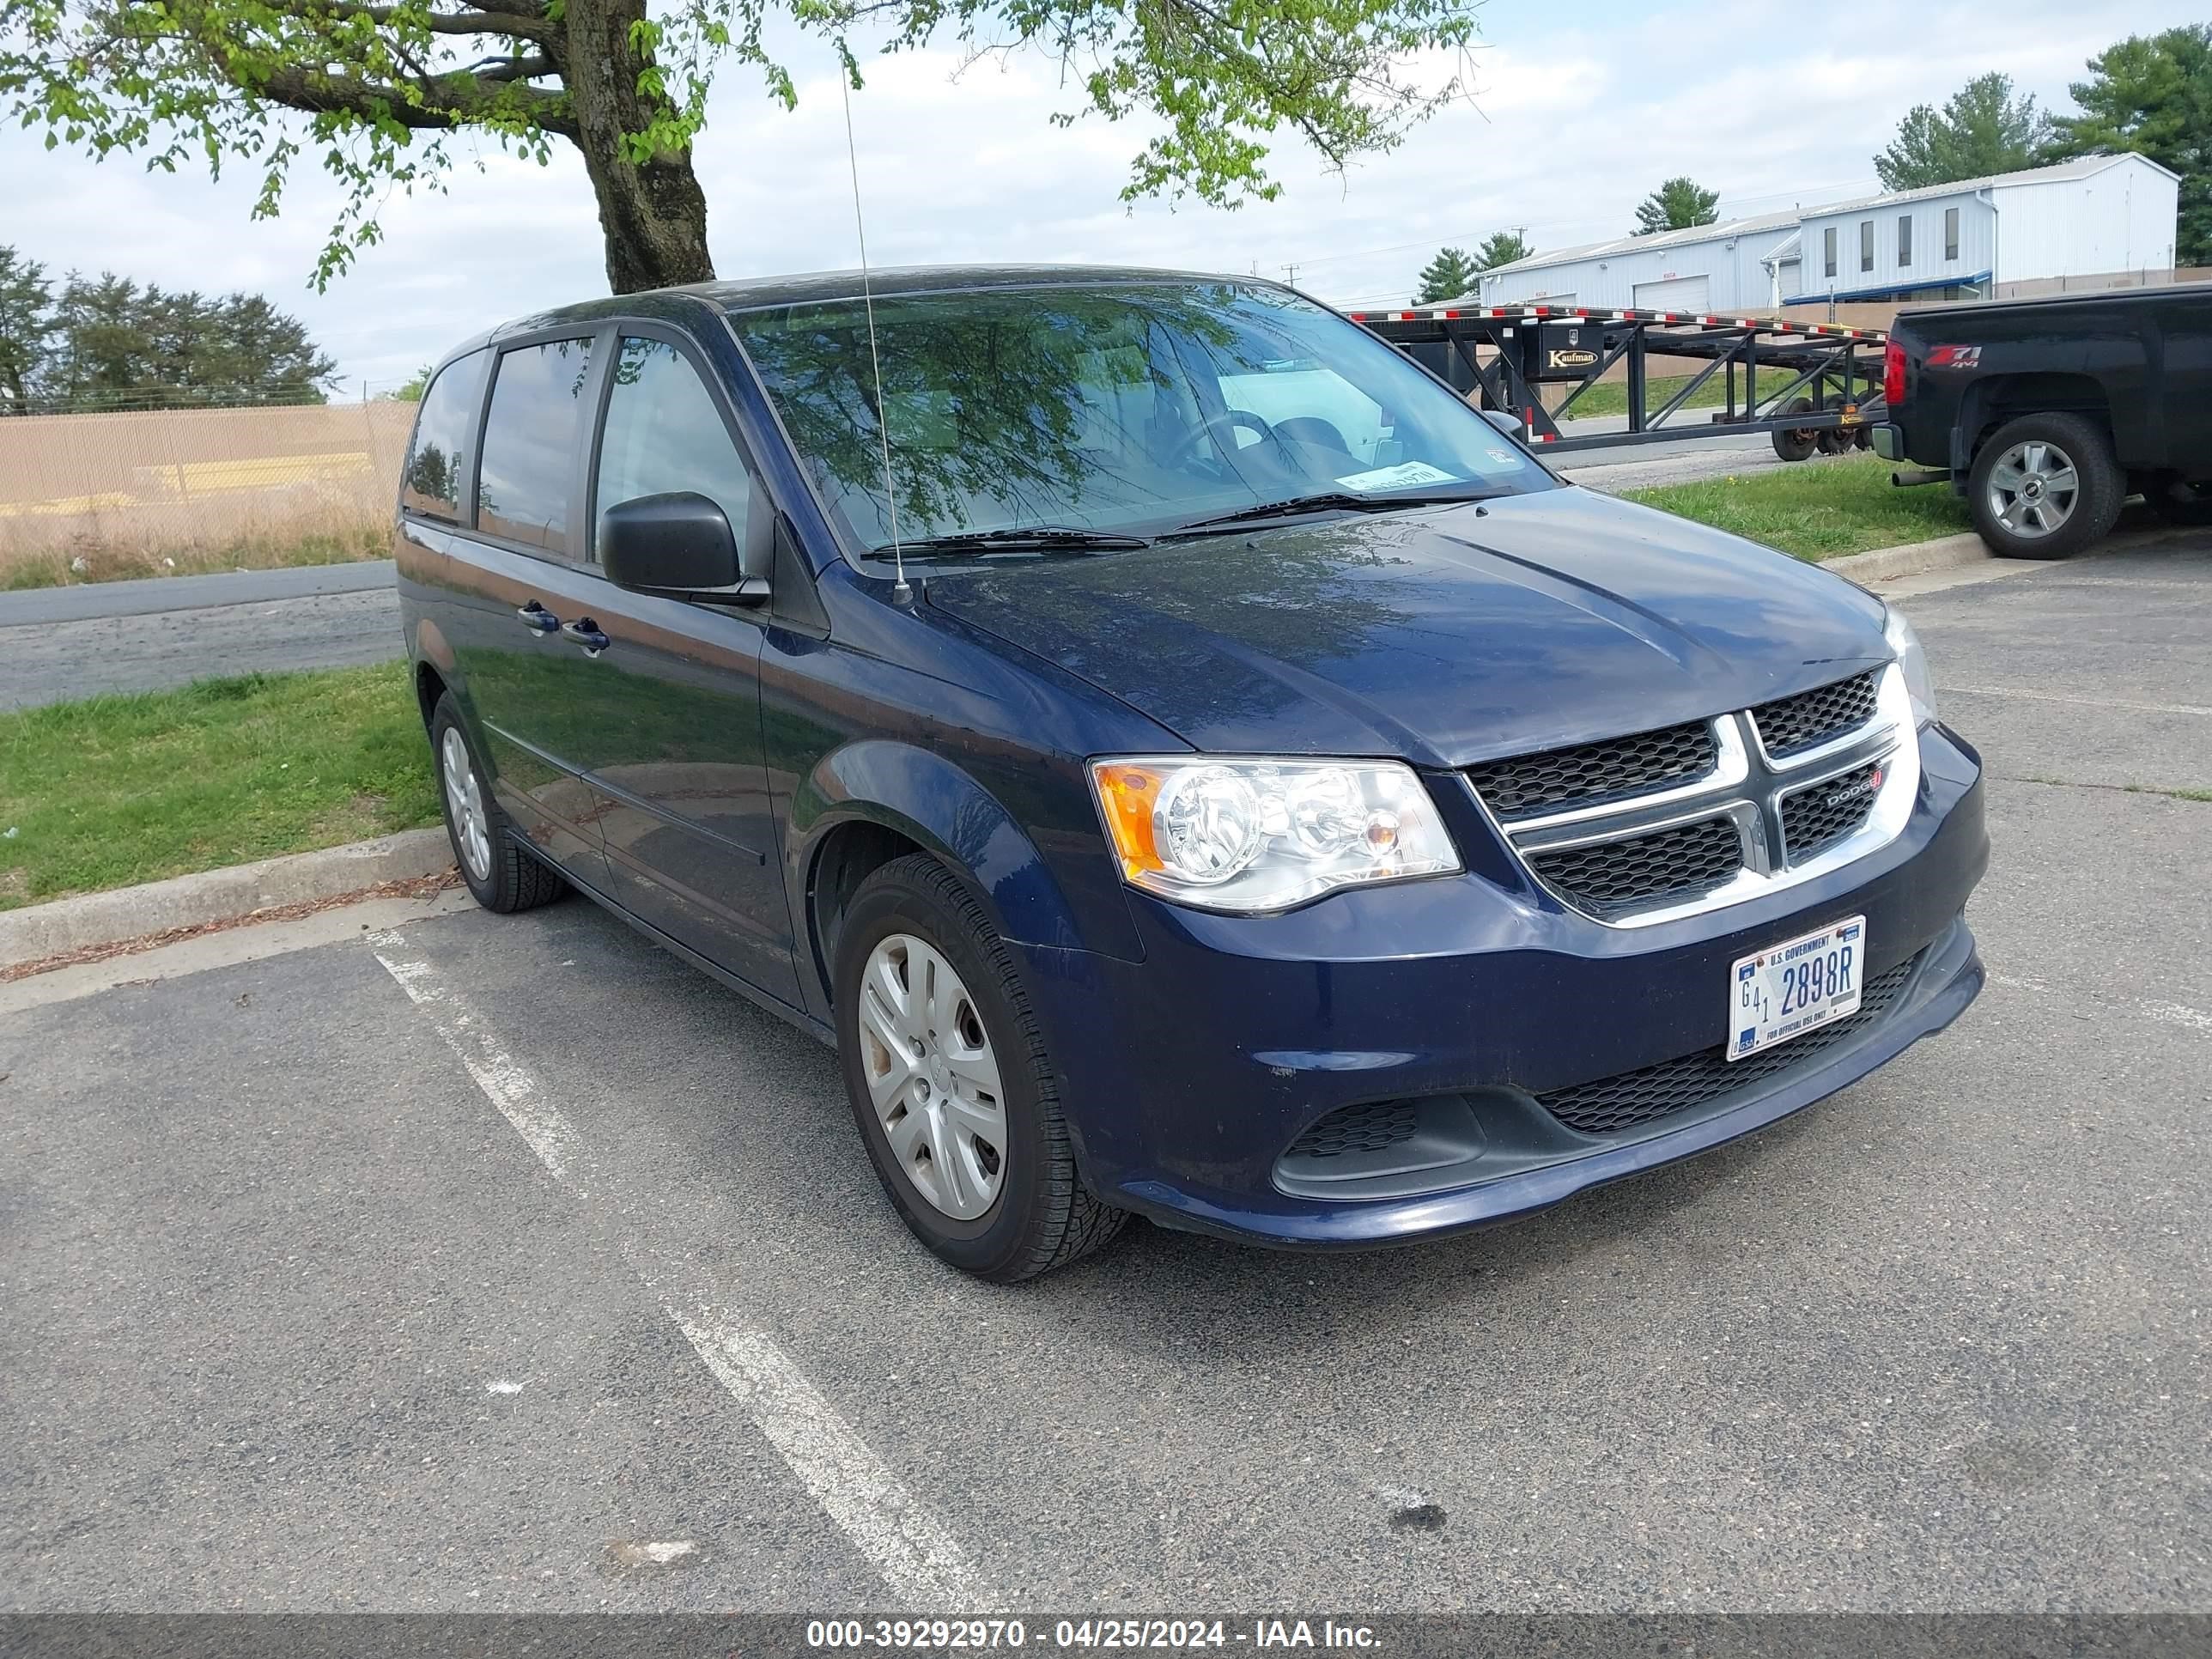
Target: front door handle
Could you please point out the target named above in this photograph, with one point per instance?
(584, 632)
(537, 619)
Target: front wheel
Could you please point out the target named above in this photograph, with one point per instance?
(2044, 487)
(950, 1085)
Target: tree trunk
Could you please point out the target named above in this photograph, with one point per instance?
(655, 215)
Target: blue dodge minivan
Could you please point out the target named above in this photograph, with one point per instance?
(1186, 760)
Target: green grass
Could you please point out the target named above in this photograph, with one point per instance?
(1611, 396)
(116, 790)
(1816, 510)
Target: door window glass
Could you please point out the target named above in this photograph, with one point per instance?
(529, 443)
(663, 433)
(437, 455)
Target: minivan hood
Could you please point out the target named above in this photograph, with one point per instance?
(1444, 636)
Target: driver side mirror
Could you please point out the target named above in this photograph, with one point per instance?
(679, 545)
(1508, 423)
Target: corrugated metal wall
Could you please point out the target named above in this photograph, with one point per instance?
(1927, 264)
(1738, 280)
(2120, 219)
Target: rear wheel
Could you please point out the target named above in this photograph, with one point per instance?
(2044, 487)
(499, 875)
(1796, 443)
(950, 1083)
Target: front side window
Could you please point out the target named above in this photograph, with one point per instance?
(527, 477)
(1828, 246)
(1866, 244)
(1905, 238)
(437, 455)
(663, 433)
(1129, 410)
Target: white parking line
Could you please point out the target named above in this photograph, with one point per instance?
(905, 1543)
(2029, 694)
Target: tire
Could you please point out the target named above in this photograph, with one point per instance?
(911, 922)
(1836, 442)
(499, 874)
(1796, 443)
(2013, 490)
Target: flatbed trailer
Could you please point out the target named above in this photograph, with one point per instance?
(1813, 385)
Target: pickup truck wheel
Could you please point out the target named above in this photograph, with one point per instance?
(2044, 487)
(499, 875)
(954, 1093)
(1797, 443)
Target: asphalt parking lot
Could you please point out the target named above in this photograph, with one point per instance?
(469, 1263)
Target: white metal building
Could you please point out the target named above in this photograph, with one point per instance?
(2101, 215)
(1706, 267)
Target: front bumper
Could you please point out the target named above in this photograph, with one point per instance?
(1186, 1076)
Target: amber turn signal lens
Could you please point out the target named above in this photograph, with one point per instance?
(1128, 793)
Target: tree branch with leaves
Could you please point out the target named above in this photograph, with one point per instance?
(374, 93)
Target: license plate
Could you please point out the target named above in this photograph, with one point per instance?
(1795, 987)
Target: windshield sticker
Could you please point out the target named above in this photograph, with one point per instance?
(1397, 478)
(1503, 457)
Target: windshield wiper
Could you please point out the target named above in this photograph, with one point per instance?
(1327, 500)
(1024, 538)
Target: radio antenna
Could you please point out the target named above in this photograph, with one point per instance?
(901, 593)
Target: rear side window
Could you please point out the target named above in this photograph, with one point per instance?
(663, 433)
(437, 455)
(527, 476)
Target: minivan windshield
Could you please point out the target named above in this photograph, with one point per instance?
(1126, 411)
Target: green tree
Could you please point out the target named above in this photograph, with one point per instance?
(2152, 95)
(1447, 277)
(1502, 247)
(411, 391)
(395, 91)
(27, 327)
(1982, 130)
(110, 343)
(1676, 205)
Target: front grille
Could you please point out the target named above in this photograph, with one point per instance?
(1789, 724)
(1816, 818)
(1666, 865)
(1370, 1128)
(1629, 1099)
(1593, 772)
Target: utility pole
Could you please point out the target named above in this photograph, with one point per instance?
(1291, 274)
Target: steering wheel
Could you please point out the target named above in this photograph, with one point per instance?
(1222, 428)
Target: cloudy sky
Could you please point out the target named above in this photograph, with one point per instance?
(1578, 111)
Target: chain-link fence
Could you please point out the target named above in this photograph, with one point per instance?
(195, 488)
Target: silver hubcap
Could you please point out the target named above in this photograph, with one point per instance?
(932, 1076)
(2032, 488)
(465, 805)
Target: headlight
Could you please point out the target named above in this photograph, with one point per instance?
(1264, 834)
(1914, 662)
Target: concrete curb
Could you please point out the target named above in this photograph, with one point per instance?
(1883, 564)
(37, 931)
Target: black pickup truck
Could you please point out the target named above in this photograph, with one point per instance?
(2047, 414)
